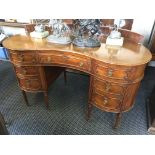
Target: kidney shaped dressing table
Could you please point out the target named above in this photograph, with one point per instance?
(115, 73)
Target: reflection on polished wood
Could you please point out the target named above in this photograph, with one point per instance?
(129, 54)
(115, 72)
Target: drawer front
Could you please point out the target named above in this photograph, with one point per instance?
(23, 58)
(105, 102)
(74, 61)
(27, 70)
(30, 84)
(108, 87)
(111, 71)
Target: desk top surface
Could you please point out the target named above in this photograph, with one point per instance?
(130, 54)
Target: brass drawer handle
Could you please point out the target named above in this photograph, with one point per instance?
(21, 57)
(105, 101)
(28, 83)
(49, 59)
(65, 57)
(110, 72)
(81, 64)
(33, 60)
(24, 71)
(107, 87)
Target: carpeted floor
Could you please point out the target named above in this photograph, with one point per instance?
(68, 106)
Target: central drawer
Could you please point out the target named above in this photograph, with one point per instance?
(67, 59)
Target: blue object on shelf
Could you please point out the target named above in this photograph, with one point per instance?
(3, 54)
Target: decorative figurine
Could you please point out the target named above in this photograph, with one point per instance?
(115, 37)
(115, 34)
(61, 32)
(39, 32)
(86, 32)
(39, 28)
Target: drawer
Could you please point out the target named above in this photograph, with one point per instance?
(108, 87)
(30, 84)
(111, 71)
(25, 57)
(105, 102)
(71, 60)
(27, 70)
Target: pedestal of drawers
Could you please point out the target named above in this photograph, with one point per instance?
(31, 76)
(113, 87)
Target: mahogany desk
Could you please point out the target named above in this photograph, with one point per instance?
(115, 73)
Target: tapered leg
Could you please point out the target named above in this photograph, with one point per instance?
(90, 107)
(117, 121)
(25, 97)
(46, 99)
(65, 76)
(3, 128)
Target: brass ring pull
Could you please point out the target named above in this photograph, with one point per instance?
(110, 72)
(28, 83)
(24, 71)
(81, 64)
(107, 87)
(105, 101)
(49, 59)
(33, 60)
(21, 57)
(65, 57)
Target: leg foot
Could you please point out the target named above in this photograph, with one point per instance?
(65, 76)
(25, 97)
(46, 99)
(117, 120)
(89, 110)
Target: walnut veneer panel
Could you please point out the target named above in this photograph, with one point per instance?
(18, 57)
(26, 70)
(30, 83)
(72, 60)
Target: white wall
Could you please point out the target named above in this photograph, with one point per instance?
(144, 27)
(13, 30)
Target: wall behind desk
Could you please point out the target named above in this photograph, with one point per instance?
(13, 30)
(144, 27)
